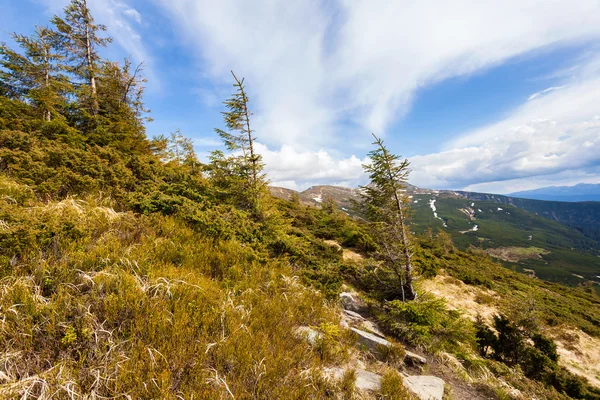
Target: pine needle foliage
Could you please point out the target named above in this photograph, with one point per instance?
(241, 172)
(79, 41)
(386, 208)
(36, 74)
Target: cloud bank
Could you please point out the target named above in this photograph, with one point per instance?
(555, 131)
(322, 71)
(324, 74)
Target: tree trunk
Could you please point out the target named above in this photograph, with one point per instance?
(47, 114)
(90, 62)
(405, 245)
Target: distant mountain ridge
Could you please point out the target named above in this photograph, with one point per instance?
(560, 241)
(577, 193)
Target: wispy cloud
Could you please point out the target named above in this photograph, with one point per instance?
(314, 64)
(321, 71)
(541, 93)
(546, 136)
(133, 13)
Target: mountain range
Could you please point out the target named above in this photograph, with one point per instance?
(580, 192)
(552, 240)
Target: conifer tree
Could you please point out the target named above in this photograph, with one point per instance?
(80, 40)
(241, 172)
(36, 74)
(386, 208)
(121, 91)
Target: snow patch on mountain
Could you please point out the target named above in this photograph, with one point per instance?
(434, 209)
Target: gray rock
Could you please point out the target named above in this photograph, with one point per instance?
(372, 328)
(351, 301)
(365, 380)
(370, 341)
(353, 315)
(309, 334)
(414, 359)
(425, 387)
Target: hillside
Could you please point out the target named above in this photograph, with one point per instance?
(131, 270)
(580, 192)
(583, 216)
(510, 229)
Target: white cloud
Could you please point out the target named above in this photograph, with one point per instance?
(133, 13)
(541, 93)
(301, 169)
(551, 137)
(312, 64)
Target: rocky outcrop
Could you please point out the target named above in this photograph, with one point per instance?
(371, 342)
(350, 301)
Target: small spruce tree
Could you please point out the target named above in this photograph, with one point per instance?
(239, 174)
(386, 208)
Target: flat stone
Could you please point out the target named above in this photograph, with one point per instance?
(309, 334)
(415, 359)
(365, 380)
(372, 328)
(353, 315)
(370, 341)
(425, 387)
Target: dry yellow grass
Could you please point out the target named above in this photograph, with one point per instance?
(579, 353)
(462, 297)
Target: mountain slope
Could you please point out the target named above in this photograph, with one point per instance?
(551, 240)
(583, 216)
(553, 250)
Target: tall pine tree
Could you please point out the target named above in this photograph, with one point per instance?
(386, 208)
(36, 74)
(80, 41)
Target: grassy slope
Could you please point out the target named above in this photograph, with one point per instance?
(570, 251)
(585, 216)
(117, 304)
(177, 293)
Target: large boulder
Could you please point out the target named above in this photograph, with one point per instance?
(425, 387)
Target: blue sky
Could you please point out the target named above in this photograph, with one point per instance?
(484, 95)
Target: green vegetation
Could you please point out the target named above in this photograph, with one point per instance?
(583, 216)
(515, 344)
(130, 269)
(566, 252)
(386, 211)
